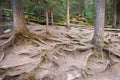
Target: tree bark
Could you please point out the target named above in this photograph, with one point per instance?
(115, 14)
(52, 19)
(47, 18)
(99, 25)
(68, 13)
(18, 17)
(82, 8)
(0, 13)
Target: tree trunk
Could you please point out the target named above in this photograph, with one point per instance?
(99, 25)
(68, 14)
(18, 17)
(52, 20)
(82, 8)
(47, 18)
(0, 13)
(115, 14)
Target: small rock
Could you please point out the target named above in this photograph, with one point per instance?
(70, 77)
(7, 31)
(1, 78)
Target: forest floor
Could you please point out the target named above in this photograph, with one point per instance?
(62, 54)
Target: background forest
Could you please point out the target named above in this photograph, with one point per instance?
(35, 11)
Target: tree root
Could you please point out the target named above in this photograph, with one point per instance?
(8, 42)
(104, 58)
(82, 48)
(111, 52)
(5, 45)
(57, 52)
(16, 38)
(112, 59)
(2, 55)
(5, 36)
(53, 39)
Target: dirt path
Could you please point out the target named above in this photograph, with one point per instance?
(61, 55)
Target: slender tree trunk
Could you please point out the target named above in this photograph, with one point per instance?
(0, 13)
(52, 20)
(18, 17)
(115, 14)
(107, 13)
(99, 25)
(0, 18)
(47, 18)
(68, 13)
(82, 8)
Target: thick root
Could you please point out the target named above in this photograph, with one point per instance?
(5, 36)
(18, 39)
(28, 37)
(2, 55)
(8, 42)
(5, 45)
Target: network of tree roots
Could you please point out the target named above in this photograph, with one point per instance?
(61, 54)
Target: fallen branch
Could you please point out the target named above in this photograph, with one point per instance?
(108, 29)
(111, 29)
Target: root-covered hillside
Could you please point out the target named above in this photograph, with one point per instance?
(61, 54)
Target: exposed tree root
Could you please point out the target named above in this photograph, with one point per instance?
(8, 42)
(58, 51)
(2, 55)
(19, 39)
(112, 57)
(102, 59)
(5, 36)
(53, 39)
(114, 30)
(111, 52)
(5, 45)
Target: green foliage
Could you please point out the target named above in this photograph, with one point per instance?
(89, 9)
(0, 2)
(85, 8)
(50, 3)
